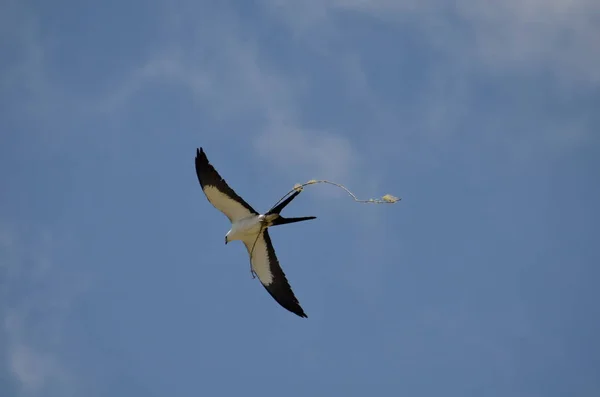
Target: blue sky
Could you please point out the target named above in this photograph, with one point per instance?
(482, 116)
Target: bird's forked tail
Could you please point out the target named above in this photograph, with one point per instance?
(282, 221)
(279, 207)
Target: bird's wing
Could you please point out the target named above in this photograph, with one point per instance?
(266, 266)
(220, 195)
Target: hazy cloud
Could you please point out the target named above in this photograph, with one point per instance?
(473, 41)
(36, 296)
(236, 82)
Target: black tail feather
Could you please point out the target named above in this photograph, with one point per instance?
(282, 221)
(278, 208)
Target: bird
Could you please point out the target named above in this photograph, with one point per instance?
(252, 228)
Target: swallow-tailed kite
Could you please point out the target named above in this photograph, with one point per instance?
(251, 227)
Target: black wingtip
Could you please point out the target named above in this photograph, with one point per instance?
(201, 159)
(298, 311)
(289, 303)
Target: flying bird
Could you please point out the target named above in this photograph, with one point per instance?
(251, 228)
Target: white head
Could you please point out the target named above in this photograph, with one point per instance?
(229, 236)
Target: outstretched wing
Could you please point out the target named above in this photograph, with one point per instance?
(266, 266)
(220, 195)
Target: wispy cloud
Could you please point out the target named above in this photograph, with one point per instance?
(472, 42)
(35, 298)
(36, 370)
(31, 98)
(23, 74)
(521, 35)
(236, 83)
(536, 35)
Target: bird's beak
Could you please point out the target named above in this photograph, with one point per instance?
(226, 240)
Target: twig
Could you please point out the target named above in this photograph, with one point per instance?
(387, 199)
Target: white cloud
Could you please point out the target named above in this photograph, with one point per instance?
(557, 35)
(30, 368)
(35, 370)
(35, 299)
(551, 42)
(236, 82)
(532, 35)
(218, 63)
(319, 154)
(23, 75)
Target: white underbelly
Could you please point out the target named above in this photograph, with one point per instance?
(246, 226)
